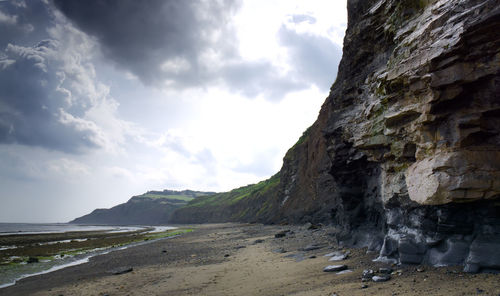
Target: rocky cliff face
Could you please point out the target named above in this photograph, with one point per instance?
(405, 154)
(407, 145)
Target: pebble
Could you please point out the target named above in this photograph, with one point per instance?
(367, 274)
(338, 257)
(344, 271)
(385, 270)
(281, 234)
(381, 278)
(312, 247)
(420, 269)
(364, 286)
(259, 241)
(121, 270)
(334, 268)
(32, 260)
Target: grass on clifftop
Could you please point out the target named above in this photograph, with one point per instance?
(178, 197)
(235, 195)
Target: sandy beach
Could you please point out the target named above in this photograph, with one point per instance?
(236, 259)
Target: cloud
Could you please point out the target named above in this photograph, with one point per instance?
(315, 58)
(193, 44)
(50, 95)
(33, 100)
(157, 40)
(259, 78)
(299, 18)
(20, 22)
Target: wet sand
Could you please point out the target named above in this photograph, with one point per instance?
(234, 259)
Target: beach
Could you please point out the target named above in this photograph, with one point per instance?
(247, 259)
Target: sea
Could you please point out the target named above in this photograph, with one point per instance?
(10, 274)
(32, 228)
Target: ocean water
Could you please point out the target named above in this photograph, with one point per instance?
(10, 274)
(34, 228)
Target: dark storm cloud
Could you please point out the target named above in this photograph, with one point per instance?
(20, 22)
(141, 36)
(34, 103)
(166, 42)
(315, 58)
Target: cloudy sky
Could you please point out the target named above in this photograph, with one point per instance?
(102, 100)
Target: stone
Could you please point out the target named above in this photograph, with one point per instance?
(281, 234)
(258, 241)
(338, 256)
(385, 270)
(344, 271)
(312, 247)
(32, 260)
(121, 270)
(381, 278)
(334, 268)
(367, 275)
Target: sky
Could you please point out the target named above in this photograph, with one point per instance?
(102, 100)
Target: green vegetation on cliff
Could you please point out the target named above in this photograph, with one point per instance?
(247, 203)
(235, 195)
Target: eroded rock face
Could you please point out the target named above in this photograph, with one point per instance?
(405, 154)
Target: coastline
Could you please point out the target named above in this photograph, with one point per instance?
(241, 259)
(29, 254)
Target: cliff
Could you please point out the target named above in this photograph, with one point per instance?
(151, 208)
(405, 154)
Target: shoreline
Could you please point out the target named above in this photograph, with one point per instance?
(243, 259)
(28, 255)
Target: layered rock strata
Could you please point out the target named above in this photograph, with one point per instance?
(405, 154)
